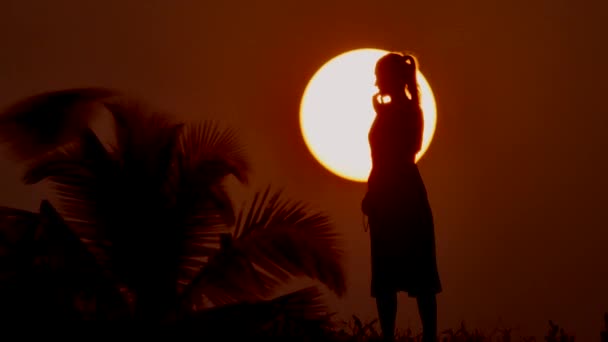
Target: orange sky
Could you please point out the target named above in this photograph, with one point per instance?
(515, 174)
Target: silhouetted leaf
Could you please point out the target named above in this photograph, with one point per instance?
(279, 241)
(79, 172)
(17, 231)
(74, 269)
(42, 122)
(207, 155)
(56, 270)
(265, 317)
(207, 148)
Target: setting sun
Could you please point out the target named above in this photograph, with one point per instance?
(336, 113)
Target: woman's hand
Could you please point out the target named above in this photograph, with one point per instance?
(378, 102)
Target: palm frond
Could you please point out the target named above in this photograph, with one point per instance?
(109, 206)
(276, 241)
(146, 142)
(73, 269)
(171, 219)
(227, 277)
(97, 188)
(16, 224)
(266, 317)
(17, 254)
(142, 132)
(39, 123)
(17, 232)
(286, 239)
(87, 152)
(53, 270)
(216, 151)
(58, 241)
(205, 155)
(82, 174)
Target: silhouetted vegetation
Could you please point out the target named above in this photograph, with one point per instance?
(142, 229)
(356, 330)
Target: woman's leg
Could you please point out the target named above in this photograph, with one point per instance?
(427, 308)
(386, 302)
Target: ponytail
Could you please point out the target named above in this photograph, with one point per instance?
(411, 69)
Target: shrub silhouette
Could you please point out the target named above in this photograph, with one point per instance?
(357, 330)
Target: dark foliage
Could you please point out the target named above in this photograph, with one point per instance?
(135, 236)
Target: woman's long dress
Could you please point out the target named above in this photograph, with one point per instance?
(400, 218)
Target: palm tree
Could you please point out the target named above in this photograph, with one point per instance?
(143, 215)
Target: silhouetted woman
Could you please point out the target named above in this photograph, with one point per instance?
(399, 215)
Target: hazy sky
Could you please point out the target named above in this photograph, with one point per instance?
(516, 173)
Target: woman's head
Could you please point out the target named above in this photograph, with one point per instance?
(395, 71)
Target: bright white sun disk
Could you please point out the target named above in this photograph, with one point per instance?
(336, 113)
